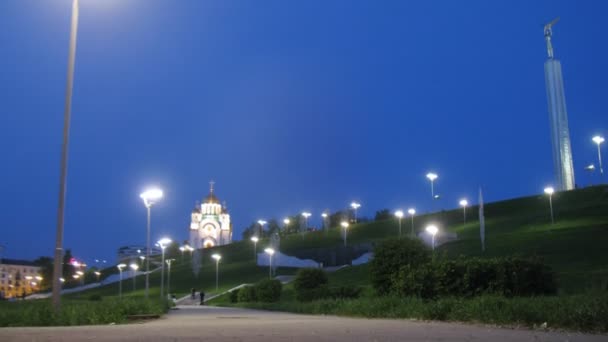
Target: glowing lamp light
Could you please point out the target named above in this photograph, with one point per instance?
(598, 139)
(399, 213)
(217, 257)
(151, 195)
(463, 202)
(432, 229)
(411, 211)
(255, 239)
(549, 190)
(286, 221)
(431, 176)
(269, 251)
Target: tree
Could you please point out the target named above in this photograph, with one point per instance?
(273, 227)
(251, 230)
(46, 271)
(383, 214)
(336, 218)
(68, 268)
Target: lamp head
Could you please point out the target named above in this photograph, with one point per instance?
(431, 176)
(216, 256)
(463, 202)
(151, 196)
(134, 267)
(549, 190)
(286, 221)
(324, 215)
(411, 211)
(590, 167)
(598, 139)
(121, 266)
(399, 213)
(306, 214)
(355, 205)
(344, 224)
(164, 242)
(255, 239)
(432, 229)
(269, 251)
(261, 222)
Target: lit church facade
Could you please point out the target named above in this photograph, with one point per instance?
(210, 223)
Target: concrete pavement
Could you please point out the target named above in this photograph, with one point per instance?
(206, 323)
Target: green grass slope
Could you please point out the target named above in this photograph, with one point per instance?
(576, 246)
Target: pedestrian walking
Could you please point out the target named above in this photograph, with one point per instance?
(202, 295)
(193, 293)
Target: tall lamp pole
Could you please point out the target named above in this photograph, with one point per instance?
(255, 240)
(306, 215)
(399, 215)
(168, 261)
(217, 258)
(463, 203)
(57, 264)
(412, 212)
(134, 267)
(344, 225)
(432, 176)
(149, 197)
(120, 267)
(432, 229)
(355, 206)
(270, 253)
(599, 140)
(162, 243)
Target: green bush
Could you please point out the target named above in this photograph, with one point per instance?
(473, 277)
(391, 255)
(247, 294)
(234, 296)
(310, 284)
(268, 290)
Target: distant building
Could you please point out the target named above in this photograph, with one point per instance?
(18, 278)
(210, 223)
(132, 252)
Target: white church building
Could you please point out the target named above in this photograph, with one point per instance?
(210, 225)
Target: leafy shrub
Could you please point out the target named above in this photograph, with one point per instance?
(234, 296)
(393, 254)
(310, 284)
(247, 294)
(474, 277)
(268, 290)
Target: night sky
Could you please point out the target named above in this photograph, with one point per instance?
(287, 105)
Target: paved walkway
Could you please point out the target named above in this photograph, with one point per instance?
(207, 323)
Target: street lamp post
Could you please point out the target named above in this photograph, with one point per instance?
(120, 267)
(432, 229)
(270, 253)
(432, 176)
(162, 243)
(149, 197)
(286, 221)
(97, 273)
(325, 215)
(261, 223)
(134, 267)
(463, 203)
(355, 206)
(306, 216)
(182, 249)
(549, 191)
(412, 212)
(255, 240)
(217, 258)
(599, 140)
(344, 225)
(57, 264)
(399, 215)
(168, 261)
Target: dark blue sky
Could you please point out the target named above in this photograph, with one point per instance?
(287, 105)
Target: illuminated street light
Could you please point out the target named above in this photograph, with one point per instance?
(270, 253)
(325, 217)
(168, 261)
(412, 212)
(344, 225)
(134, 267)
(150, 197)
(217, 258)
(432, 176)
(306, 216)
(162, 243)
(599, 140)
(355, 206)
(182, 249)
(255, 245)
(98, 274)
(286, 223)
(120, 267)
(432, 229)
(399, 215)
(261, 223)
(463, 203)
(549, 191)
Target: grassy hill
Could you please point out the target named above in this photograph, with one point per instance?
(576, 246)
